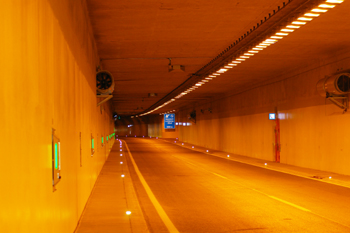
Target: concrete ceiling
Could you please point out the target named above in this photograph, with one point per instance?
(135, 40)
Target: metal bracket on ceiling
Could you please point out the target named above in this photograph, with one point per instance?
(340, 101)
(106, 98)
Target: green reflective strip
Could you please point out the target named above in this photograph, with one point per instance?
(92, 144)
(102, 139)
(56, 156)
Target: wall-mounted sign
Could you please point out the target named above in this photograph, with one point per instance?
(272, 116)
(169, 121)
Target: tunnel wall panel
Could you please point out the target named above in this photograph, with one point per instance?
(48, 81)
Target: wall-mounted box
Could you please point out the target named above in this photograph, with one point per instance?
(56, 159)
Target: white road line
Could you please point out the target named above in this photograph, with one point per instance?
(159, 208)
(220, 175)
(289, 203)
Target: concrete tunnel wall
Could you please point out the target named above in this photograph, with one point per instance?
(314, 132)
(48, 60)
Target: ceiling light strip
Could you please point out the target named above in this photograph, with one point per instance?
(295, 24)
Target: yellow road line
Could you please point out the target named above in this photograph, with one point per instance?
(159, 208)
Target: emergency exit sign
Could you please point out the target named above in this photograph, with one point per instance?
(169, 121)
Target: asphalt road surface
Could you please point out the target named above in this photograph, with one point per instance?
(203, 193)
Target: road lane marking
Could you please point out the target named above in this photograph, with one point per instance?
(220, 175)
(156, 204)
(289, 203)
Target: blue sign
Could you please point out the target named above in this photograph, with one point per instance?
(169, 121)
(272, 116)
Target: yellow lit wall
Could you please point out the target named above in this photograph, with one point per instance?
(314, 132)
(48, 61)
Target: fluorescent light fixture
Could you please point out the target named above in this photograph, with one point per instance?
(236, 62)
(326, 6)
(198, 84)
(216, 74)
(244, 57)
(311, 15)
(212, 76)
(298, 23)
(252, 51)
(287, 30)
(281, 34)
(292, 26)
(222, 70)
(249, 54)
(319, 10)
(276, 37)
(305, 19)
(335, 1)
(240, 59)
(260, 46)
(228, 67)
(268, 42)
(257, 49)
(232, 64)
(208, 78)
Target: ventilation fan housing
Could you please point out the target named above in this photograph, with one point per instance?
(104, 82)
(338, 84)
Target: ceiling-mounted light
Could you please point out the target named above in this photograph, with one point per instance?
(326, 6)
(276, 37)
(335, 1)
(311, 15)
(240, 59)
(287, 30)
(222, 70)
(253, 51)
(292, 26)
(319, 10)
(281, 34)
(305, 19)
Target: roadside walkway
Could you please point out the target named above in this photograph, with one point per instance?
(111, 197)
